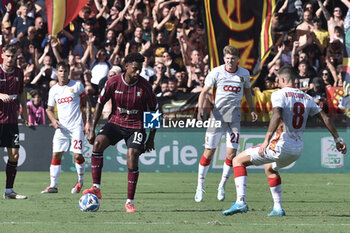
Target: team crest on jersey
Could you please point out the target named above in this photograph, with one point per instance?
(139, 94)
(16, 79)
(71, 90)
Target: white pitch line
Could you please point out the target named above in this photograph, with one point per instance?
(176, 223)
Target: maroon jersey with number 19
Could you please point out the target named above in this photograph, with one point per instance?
(11, 83)
(128, 101)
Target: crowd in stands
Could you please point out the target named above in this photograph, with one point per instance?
(309, 35)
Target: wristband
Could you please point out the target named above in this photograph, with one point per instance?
(338, 139)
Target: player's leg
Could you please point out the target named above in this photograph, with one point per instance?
(100, 144)
(60, 144)
(275, 183)
(55, 171)
(9, 138)
(226, 171)
(212, 139)
(239, 163)
(108, 135)
(80, 166)
(77, 149)
(11, 171)
(133, 175)
(284, 159)
(203, 168)
(135, 141)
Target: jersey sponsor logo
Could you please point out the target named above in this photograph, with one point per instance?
(232, 88)
(118, 92)
(127, 111)
(65, 100)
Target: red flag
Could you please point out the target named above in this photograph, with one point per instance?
(61, 12)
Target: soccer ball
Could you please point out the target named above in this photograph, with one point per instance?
(89, 202)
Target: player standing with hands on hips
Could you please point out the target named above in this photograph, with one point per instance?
(67, 95)
(283, 142)
(131, 96)
(231, 82)
(11, 91)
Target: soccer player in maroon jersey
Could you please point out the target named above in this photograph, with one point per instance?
(11, 91)
(131, 95)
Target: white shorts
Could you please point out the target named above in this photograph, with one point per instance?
(278, 158)
(62, 138)
(231, 130)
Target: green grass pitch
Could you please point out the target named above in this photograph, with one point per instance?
(165, 203)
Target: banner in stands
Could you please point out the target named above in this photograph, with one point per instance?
(245, 25)
(178, 151)
(182, 105)
(61, 12)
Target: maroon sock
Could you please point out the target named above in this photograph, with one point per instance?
(11, 170)
(96, 167)
(133, 176)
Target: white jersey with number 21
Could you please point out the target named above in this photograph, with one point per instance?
(229, 91)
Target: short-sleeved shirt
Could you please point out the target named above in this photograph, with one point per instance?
(296, 107)
(22, 25)
(128, 101)
(67, 98)
(229, 90)
(11, 83)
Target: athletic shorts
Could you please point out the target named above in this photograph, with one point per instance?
(278, 158)
(134, 138)
(230, 130)
(9, 135)
(64, 137)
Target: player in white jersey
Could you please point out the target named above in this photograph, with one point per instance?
(283, 142)
(67, 95)
(231, 82)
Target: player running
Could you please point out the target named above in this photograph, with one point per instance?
(230, 81)
(67, 95)
(131, 95)
(291, 108)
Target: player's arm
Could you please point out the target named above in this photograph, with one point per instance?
(341, 146)
(51, 115)
(22, 100)
(274, 122)
(201, 100)
(249, 98)
(85, 101)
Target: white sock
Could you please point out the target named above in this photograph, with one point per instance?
(97, 186)
(202, 173)
(81, 172)
(276, 192)
(241, 185)
(129, 201)
(55, 171)
(226, 171)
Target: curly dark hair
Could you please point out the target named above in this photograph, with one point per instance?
(134, 57)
